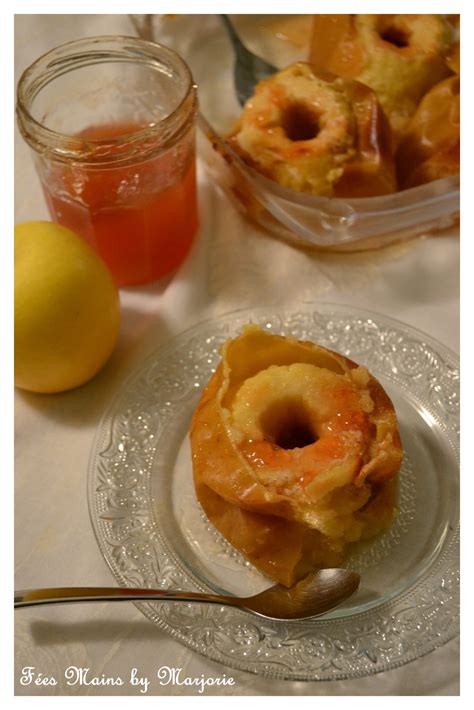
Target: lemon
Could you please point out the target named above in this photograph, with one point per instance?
(67, 310)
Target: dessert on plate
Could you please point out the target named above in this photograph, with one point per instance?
(295, 453)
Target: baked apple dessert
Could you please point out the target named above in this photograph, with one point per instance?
(295, 453)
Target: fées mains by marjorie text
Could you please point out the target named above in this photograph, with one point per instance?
(165, 675)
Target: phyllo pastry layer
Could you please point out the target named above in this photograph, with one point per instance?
(295, 451)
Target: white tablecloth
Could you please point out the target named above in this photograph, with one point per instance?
(416, 282)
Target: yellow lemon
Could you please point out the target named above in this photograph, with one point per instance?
(67, 309)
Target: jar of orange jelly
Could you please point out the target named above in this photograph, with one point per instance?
(111, 121)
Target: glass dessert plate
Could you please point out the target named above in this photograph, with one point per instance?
(310, 221)
(152, 532)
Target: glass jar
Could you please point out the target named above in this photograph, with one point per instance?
(111, 121)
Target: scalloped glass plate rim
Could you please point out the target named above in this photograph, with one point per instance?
(149, 610)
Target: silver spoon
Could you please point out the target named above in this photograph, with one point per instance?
(248, 68)
(316, 594)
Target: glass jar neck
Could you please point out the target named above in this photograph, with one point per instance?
(117, 148)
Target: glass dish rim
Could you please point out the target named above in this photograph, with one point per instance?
(421, 196)
(148, 609)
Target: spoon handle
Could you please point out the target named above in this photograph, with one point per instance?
(62, 595)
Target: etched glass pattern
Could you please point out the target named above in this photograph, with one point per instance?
(153, 533)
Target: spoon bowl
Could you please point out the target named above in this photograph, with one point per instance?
(314, 595)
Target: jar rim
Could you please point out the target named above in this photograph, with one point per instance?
(42, 138)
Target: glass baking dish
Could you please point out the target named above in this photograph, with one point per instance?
(311, 221)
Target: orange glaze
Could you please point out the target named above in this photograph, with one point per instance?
(306, 463)
(142, 233)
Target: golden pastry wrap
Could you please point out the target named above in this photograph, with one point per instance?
(318, 134)
(295, 450)
(430, 147)
(399, 56)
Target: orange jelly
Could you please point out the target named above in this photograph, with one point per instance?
(140, 218)
(111, 123)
